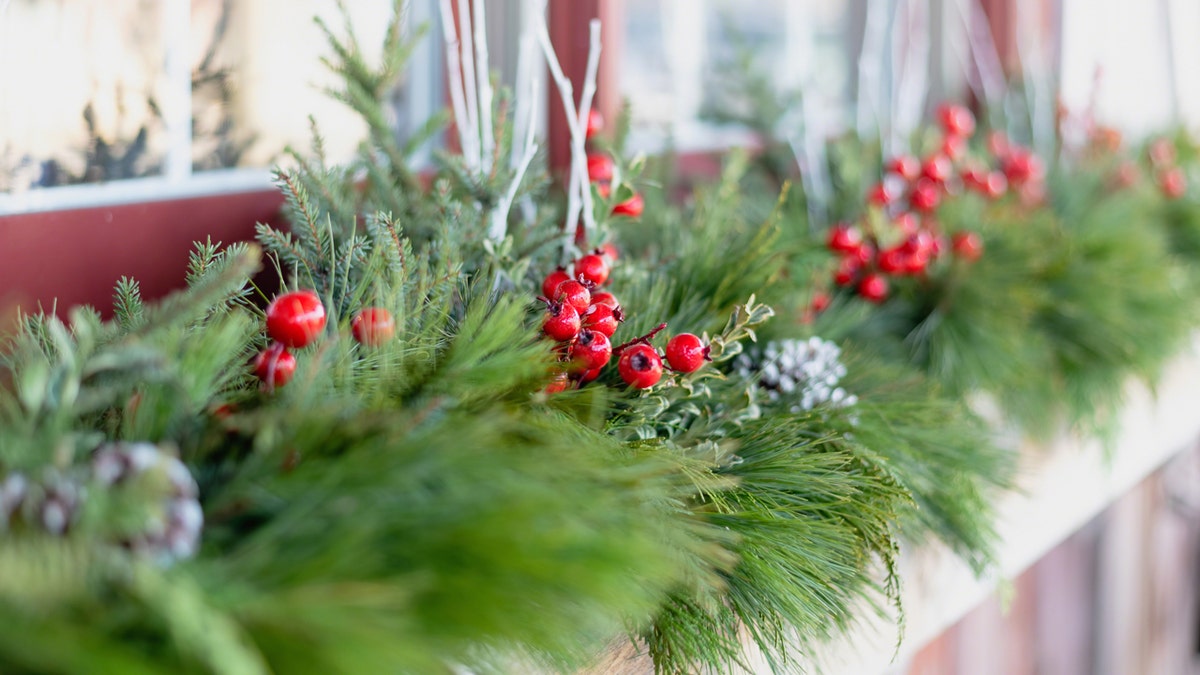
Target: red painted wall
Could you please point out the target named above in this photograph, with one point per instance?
(76, 256)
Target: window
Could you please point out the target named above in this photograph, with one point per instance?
(105, 101)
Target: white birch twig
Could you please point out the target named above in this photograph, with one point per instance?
(467, 138)
(483, 69)
(471, 85)
(500, 216)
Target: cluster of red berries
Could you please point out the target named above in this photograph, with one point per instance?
(601, 169)
(582, 320)
(907, 239)
(1171, 179)
(295, 320)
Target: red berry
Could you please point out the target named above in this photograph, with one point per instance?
(820, 302)
(1021, 166)
(640, 366)
(295, 319)
(605, 298)
(997, 143)
(602, 318)
(937, 168)
(881, 195)
(631, 207)
(609, 250)
(561, 322)
(686, 353)
(905, 166)
(915, 263)
(926, 196)
(847, 271)
(595, 123)
(591, 350)
(974, 177)
(873, 288)
(592, 268)
(373, 326)
(893, 261)
(906, 223)
(1127, 174)
(574, 294)
(600, 167)
(844, 238)
(604, 189)
(275, 365)
(558, 383)
(552, 280)
(967, 245)
(589, 375)
(1173, 183)
(956, 120)
(1162, 152)
(954, 147)
(995, 185)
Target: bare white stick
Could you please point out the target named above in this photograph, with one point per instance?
(471, 85)
(466, 138)
(567, 94)
(870, 62)
(913, 88)
(499, 228)
(983, 51)
(483, 70)
(579, 133)
(521, 105)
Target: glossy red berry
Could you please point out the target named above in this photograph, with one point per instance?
(1162, 153)
(558, 383)
(593, 268)
(937, 168)
(954, 147)
(1021, 166)
(926, 196)
(589, 375)
(905, 166)
(631, 207)
(552, 280)
(591, 350)
(295, 319)
(906, 223)
(997, 144)
(686, 353)
(1173, 183)
(373, 326)
(820, 302)
(873, 288)
(640, 366)
(602, 319)
(956, 120)
(561, 322)
(844, 238)
(893, 261)
(847, 271)
(609, 250)
(600, 167)
(595, 123)
(605, 298)
(995, 185)
(1127, 174)
(967, 245)
(881, 195)
(574, 294)
(275, 366)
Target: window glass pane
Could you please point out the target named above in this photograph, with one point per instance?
(80, 92)
(257, 77)
(678, 60)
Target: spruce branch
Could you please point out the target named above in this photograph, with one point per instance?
(128, 309)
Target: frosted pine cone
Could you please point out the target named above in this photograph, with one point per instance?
(807, 372)
(172, 529)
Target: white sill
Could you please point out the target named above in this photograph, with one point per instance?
(135, 190)
(1062, 487)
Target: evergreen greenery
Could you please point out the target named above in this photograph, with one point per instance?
(425, 505)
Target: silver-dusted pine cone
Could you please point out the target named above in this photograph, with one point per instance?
(805, 371)
(172, 531)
